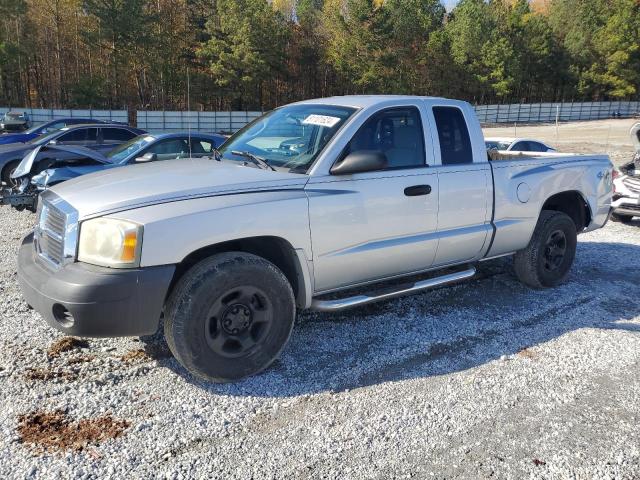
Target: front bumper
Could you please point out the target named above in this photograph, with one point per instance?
(90, 301)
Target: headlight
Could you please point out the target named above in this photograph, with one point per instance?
(110, 243)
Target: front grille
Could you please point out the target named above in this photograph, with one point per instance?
(51, 238)
(632, 184)
(55, 234)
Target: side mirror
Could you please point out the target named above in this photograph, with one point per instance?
(147, 157)
(360, 161)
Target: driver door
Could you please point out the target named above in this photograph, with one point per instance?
(373, 225)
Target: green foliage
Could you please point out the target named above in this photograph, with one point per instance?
(257, 54)
(246, 46)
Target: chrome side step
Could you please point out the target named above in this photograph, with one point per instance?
(359, 300)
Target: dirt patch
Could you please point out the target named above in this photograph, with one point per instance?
(54, 431)
(527, 353)
(49, 374)
(66, 344)
(138, 355)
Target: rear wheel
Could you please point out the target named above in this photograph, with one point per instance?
(7, 171)
(229, 316)
(546, 261)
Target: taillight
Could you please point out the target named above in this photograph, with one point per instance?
(615, 174)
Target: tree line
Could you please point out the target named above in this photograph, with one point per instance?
(256, 54)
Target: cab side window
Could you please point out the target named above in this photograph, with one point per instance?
(396, 132)
(455, 144)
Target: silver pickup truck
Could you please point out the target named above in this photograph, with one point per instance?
(323, 204)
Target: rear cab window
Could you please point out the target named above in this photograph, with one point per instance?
(453, 135)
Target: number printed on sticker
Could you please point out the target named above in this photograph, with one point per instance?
(321, 120)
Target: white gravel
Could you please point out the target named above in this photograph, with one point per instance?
(485, 379)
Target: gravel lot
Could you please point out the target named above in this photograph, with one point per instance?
(484, 379)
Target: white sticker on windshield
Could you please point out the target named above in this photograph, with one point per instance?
(321, 120)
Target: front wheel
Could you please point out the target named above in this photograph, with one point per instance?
(229, 316)
(546, 261)
(7, 171)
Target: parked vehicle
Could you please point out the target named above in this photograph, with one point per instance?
(384, 187)
(516, 145)
(626, 184)
(98, 137)
(15, 122)
(47, 127)
(48, 165)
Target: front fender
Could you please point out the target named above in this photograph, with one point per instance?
(174, 230)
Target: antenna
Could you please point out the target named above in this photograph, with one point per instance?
(189, 110)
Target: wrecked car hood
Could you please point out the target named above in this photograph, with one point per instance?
(141, 185)
(25, 166)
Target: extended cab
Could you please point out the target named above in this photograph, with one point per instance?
(317, 204)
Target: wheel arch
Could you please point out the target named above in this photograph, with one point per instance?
(292, 262)
(572, 203)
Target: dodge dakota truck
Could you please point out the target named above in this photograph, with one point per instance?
(324, 204)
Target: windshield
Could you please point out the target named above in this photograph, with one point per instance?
(290, 137)
(14, 116)
(126, 150)
(497, 144)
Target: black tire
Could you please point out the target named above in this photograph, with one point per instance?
(615, 217)
(7, 171)
(229, 316)
(546, 261)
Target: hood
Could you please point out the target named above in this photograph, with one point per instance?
(135, 186)
(635, 136)
(16, 150)
(29, 159)
(15, 138)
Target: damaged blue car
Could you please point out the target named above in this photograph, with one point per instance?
(50, 164)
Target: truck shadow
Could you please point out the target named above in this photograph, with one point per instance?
(448, 330)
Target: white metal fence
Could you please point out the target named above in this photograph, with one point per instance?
(171, 121)
(547, 112)
(41, 115)
(155, 121)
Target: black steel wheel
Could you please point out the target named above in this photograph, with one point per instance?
(555, 249)
(238, 321)
(229, 316)
(547, 260)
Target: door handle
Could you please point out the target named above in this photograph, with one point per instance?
(417, 190)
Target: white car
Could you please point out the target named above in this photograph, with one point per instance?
(626, 184)
(510, 144)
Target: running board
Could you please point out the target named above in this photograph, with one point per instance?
(359, 300)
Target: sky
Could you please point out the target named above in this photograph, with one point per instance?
(449, 4)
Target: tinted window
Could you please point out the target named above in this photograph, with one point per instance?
(397, 133)
(520, 147)
(171, 146)
(201, 146)
(455, 144)
(116, 134)
(537, 147)
(79, 135)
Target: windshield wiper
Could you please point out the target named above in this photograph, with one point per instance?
(261, 162)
